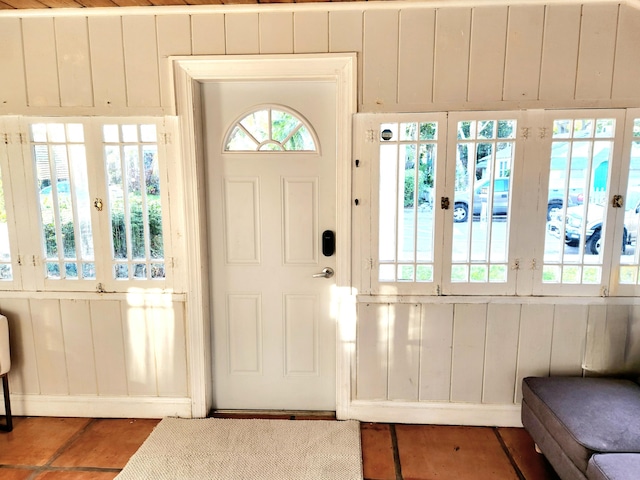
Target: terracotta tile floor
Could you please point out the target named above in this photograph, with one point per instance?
(83, 448)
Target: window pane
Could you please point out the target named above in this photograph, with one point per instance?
(408, 154)
(133, 180)
(5, 253)
(270, 130)
(481, 210)
(577, 202)
(60, 162)
(629, 257)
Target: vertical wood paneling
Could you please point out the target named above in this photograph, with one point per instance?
(41, 67)
(594, 355)
(404, 352)
(451, 70)
(174, 38)
(311, 32)
(380, 62)
(616, 337)
(170, 348)
(435, 355)
(345, 31)
(372, 352)
(503, 328)
(74, 67)
(106, 322)
(107, 61)
(242, 33)
(415, 62)
(48, 339)
(469, 333)
(560, 52)
(597, 48)
(487, 53)
(78, 347)
(534, 344)
(139, 346)
(24, 367)
(627, 67)
(524, 52)
(568, 343)
(276, 32)
(207, 34)
(632, 355)
(141, 61)
(13, 90)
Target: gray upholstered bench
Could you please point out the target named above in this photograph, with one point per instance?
(573, 418)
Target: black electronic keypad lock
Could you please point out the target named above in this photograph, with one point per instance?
(328, 243)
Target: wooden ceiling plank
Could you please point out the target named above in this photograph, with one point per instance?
(164, 3)
(204, 2)
(132, 3)
(25, 4)
(61, 3)
(4, 6)
(96, 3)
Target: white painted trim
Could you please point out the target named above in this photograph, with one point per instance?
(99, 407)
(289, 7)
(436, 413)
(189, 73)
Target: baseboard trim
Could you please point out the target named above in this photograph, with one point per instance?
(99, 407)
(435, 413)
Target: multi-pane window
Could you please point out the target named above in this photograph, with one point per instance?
(484, 163)
(579, 170)
(6, 272)
(60, 166)
(271, 129)
(407, 180)
(630, 254)
(135, 209)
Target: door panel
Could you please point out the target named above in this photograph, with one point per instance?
(273, 333)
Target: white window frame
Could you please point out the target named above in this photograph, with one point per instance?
(30, 272)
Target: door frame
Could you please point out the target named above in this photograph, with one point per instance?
(189, 74)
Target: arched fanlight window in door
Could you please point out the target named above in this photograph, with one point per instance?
(271, 128)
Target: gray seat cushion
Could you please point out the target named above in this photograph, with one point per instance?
(614, 466)
(587, 415)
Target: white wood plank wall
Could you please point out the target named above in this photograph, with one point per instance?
(412, 57)
(97, 348)
(478, 353)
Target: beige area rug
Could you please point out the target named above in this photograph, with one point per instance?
(238, 449)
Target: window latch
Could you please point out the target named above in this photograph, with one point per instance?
(444, 203)
(98, 204)
(617, 201)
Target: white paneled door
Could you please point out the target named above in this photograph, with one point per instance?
(271, 186)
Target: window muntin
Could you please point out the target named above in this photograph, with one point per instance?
(6, 271)
(484, 160)
(271, 129)
(60, 164)
(630, 254)
(581, 153)
(407, 167)
(135, 210)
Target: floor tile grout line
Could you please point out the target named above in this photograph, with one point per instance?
(396, 451)
(513, 462)
(68, 443)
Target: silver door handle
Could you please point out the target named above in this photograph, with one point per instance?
(327, 272)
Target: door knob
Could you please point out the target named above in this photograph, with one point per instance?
(327, 272)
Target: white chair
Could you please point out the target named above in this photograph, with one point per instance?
(5, 366)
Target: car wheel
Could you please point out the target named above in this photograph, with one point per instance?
(594, 243)
(553, 209)
(460, 212)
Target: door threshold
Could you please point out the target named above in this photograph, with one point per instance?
(275, 414)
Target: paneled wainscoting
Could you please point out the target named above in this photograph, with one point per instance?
(108, 355)
(462, 361)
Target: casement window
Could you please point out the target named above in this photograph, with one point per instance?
(96, 214)
(6, 269)
(499, 203)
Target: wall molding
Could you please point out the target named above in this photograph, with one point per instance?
(436, 413)
(99, 407)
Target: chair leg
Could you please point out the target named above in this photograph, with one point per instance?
(8, 426)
